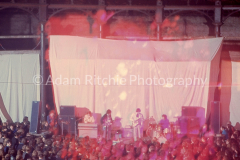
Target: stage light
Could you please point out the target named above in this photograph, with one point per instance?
(168, 85)
(123, 96)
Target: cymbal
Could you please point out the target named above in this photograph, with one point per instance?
(152, 122)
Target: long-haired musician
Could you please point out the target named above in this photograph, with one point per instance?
(107, 121)
(137, 122)
(52, 119)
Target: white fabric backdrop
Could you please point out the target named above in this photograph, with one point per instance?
(76, 57)
(235, 93)
(16, 82)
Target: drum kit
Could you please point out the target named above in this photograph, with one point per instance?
(155, 130)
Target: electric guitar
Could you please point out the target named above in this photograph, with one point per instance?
(138, 121)
(107, 123)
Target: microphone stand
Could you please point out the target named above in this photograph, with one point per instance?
(62, 125)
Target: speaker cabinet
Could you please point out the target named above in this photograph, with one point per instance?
(189, 125)
(35, 117)
(67, 110)
(183, 123)
(189, 111)
(87, 129)
(194, 111)
(215, 116)
(193, 123)
(67, 124)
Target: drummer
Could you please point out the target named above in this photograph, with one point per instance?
(164, 122)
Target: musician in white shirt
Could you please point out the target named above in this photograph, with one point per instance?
(88, 118)
(137, 122)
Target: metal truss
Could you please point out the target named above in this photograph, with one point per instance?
(229, 11)
(43, 11)
(32, 9)
(217, 14)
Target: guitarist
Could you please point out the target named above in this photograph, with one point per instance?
(107, 121)
(52, 119)
(137, 121)
(52, 122)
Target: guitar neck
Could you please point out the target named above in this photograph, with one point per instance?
(136, 122)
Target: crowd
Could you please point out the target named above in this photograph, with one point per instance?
(17, 144)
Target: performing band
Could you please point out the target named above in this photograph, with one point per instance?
(137, 119)
(109, 129)
(159, 131)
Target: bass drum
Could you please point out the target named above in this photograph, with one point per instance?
(157, 134)
(149, 122)
(167, 133)
(149, 131)
(167, 130)
(153, 130)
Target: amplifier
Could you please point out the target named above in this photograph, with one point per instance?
(189, 124)
(67, 124)
(193, 122)
(194, 111)
(87, 129)
(127, 133)
(189, 111)
(67, 110)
